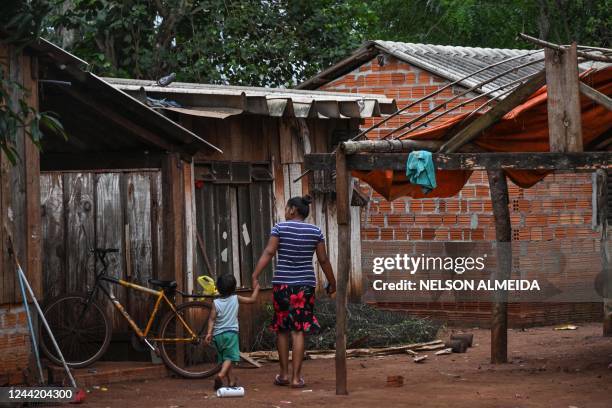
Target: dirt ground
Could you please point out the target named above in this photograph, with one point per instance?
(547, 369)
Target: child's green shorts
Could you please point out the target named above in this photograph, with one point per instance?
(227, 346)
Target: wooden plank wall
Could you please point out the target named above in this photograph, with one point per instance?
(105, 210)
(19, 188)
(282, 143)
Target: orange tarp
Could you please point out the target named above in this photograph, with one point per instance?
(524, 129)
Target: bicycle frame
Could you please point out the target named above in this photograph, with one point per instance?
(161, 296)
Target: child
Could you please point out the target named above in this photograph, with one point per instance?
(223, 326)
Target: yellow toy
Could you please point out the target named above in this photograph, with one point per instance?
(208, 285)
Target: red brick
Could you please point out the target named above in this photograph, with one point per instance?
(386, 234)
(428, 233)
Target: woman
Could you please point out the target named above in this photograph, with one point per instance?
(294, 242)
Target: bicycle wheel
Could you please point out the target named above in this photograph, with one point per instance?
(191, 359)
(81, 330)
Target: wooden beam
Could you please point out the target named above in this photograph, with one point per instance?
(601, 193)
(344, 261)
(503, 234)
(33, 261)
(390, 146)
(564, 119)
(585, 161)
(596, 96)
(475, 128)
(173, 199)
(100, 161)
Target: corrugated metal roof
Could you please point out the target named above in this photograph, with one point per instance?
(454, 63)
(446, 61)
(159, 123)
(262, 101)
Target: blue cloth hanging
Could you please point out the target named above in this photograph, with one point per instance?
(420, 170)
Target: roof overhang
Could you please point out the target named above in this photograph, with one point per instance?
(91, 88)
(219, 101)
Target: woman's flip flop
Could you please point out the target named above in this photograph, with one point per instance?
(279, 381)
(300, 384)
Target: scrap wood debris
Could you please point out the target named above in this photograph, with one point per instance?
(567, 327)
(420, 359)
(352, 353)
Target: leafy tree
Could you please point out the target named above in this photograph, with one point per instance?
(21, 23)
(273, 42)
(282, 42)
(487, 23)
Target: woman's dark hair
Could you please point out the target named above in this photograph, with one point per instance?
(226, 284)
(301, 204)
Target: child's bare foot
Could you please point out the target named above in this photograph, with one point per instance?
(218, 382)
(234, 383)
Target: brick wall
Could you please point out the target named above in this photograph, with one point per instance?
(557, 208)
(14, 345)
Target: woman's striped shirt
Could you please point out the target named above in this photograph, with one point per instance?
(297, 243)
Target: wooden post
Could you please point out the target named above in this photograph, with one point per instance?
(503, 232)
(344, 261)
(173, 204)
(602, 219)
(564, 120)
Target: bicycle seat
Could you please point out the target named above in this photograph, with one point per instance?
(165, 284)
(106, 250)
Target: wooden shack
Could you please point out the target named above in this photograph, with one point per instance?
(115, 182)
(173, 188)
(239, 194)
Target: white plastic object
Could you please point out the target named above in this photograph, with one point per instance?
(227, 392)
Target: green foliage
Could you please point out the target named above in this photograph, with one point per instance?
(486, 23)
(21, 23)
(275, 42)
(21, 20)
(283, 42)
(19, 115)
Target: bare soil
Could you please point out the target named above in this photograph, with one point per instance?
(547, 368)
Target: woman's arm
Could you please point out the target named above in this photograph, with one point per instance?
(265, 258)
(326, 266)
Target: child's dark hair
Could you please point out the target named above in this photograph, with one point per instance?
(226, 284)
(301, 204)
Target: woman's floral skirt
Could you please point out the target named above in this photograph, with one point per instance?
(293, 309)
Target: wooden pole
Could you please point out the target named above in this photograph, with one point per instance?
(503, 232)
(602, 218)
(344, 262)
(577, 162)
(553, 46)
(389, 146)
(173, 198)
(564, 120)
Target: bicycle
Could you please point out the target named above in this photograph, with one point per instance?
(83, 329)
